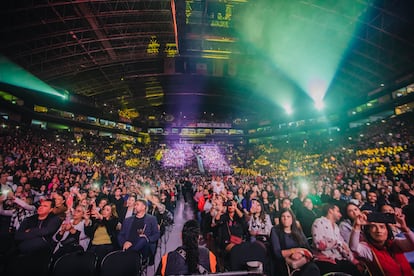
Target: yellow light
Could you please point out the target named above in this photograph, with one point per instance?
(40, 109)
(221, 39)
(214, 56)
(171, 49)
(153, 46)
(217, 51)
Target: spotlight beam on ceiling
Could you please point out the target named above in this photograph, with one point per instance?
(13, 74)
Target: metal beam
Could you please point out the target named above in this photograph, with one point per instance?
(87, 13)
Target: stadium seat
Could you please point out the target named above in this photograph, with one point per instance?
(246, 252)
(76, 263)
(125, 263)
(33, 264)
(336, 274)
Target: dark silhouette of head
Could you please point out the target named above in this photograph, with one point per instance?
(190, 235)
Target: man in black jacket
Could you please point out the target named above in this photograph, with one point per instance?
(35, 232)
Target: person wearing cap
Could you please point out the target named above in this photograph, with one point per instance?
(139, 233)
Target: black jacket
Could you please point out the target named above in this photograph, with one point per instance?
(34, 234)
(174, 263)
(110, 228)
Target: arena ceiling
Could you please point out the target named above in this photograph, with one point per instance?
(233, 56)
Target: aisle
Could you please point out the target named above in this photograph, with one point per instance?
(172, 237)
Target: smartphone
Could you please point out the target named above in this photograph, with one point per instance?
(90, 207)
(381, 217)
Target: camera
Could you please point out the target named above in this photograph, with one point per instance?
(381, 217)
(228, 203)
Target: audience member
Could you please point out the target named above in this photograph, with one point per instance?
(382, 253)
(101, 230)
(291, 247)
(332, 252)
(259, 224)
(190, 258)
(306, 215)
(140, 232)
(71, 236)
(371, 204)
(60, 206)
(35, 232)
(129, 209)
(352, 211)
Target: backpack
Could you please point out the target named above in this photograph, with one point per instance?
(182, 253)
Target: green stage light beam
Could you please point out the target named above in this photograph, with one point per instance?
(13, 74)
(306, 40)
(267, 82)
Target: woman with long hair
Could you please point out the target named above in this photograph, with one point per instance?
(260, 223)
(190, 258)
(383, 254)
(230, 222)
(102, 230)
(352, 211)
(291, 247)
(239, 196)
(264, 197)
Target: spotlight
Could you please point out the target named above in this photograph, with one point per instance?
(319, 105)
(304, 185)
(288, 109)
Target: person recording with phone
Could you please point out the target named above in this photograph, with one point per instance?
(71, 236)
(232, 228)
(388, 209)
(383, 254)
(101, 229)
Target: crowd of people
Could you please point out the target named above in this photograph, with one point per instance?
(183, 155)
(305, 210)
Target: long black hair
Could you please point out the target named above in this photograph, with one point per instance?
(190, 236)
(296, 232)
(262, 215)
(370, 240)
(346, 210)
